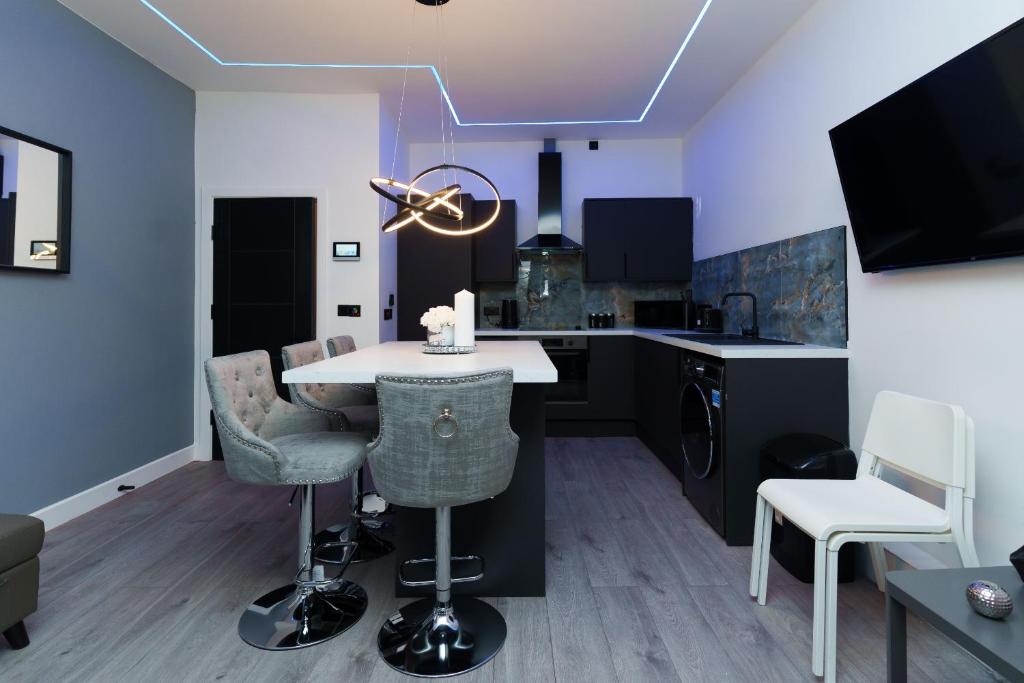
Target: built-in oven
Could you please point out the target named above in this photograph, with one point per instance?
(569, 356)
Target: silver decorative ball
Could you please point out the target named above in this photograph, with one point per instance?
(989, 600)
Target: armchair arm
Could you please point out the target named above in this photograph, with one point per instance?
(285, 419)
(247, 456)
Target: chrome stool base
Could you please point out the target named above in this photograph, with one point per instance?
(432, 640)
(371, 546)
(293, 617)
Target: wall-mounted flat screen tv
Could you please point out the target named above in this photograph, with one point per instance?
(934, 173)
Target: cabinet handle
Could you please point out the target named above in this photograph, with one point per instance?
(625, 265)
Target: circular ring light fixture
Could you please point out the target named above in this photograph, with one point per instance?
(439, 198)
(461, 231)
(431, 208)
(450, 211)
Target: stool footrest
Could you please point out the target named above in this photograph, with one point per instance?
(431, 582)
(315, 582)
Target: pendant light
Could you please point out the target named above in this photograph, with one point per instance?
(439, 211)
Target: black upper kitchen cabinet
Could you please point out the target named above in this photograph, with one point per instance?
(494, 249)
(657, 387)
(604, 240)
(642, 239)
(431, 269)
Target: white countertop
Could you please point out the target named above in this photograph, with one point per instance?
(658, 335)
(529, 363)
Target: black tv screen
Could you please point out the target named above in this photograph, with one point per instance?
(934, 173)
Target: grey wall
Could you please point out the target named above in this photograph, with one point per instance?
(96, 366)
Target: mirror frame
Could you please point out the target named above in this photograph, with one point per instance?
(63, 206)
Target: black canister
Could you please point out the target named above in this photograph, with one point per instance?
(509, 314)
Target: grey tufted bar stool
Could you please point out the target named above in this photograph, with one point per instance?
(339, 403)
(339, 346)
(267, 440)
(443, 442)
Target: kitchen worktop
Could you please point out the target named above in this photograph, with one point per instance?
(527, 359)
(660, 335)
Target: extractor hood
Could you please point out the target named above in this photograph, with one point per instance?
(549, 235)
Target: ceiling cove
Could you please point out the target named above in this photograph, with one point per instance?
(437, 76)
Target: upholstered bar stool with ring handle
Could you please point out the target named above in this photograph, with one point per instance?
(443, 442)
(341, 404)
(267, 440)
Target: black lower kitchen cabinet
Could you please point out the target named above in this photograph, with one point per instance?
(608, 409)
(765, 398)
(657, 385)
(729, 409)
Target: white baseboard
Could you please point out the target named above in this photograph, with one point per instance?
(65, 510)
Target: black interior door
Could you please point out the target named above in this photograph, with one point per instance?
(264, 277)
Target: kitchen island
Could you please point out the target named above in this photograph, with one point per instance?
(508, 530)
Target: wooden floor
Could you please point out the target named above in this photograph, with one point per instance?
(150, 587)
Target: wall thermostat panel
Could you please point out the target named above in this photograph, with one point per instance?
(346, 251)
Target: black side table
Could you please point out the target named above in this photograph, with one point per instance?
(938, 597)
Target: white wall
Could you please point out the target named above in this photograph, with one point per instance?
(275, 144)
(36, 210)
(620, 168)
(303, 145)
(393, 163)
(761, 165)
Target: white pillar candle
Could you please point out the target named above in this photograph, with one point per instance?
(465, 318)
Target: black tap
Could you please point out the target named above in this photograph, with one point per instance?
(753, 331)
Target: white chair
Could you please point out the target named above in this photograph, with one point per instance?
(926, 440)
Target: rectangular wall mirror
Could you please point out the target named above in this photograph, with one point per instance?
(35, 204)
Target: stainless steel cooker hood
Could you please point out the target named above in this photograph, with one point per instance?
(549, 235)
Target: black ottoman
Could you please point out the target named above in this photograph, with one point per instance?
(21, 538)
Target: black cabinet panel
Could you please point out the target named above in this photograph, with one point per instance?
(431, 269)
(662, 248)
(606, 229)
(657, 401)
(764, 399)
(494, 249)
(641, 239)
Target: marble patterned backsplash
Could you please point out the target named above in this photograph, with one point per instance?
(800, 285)
(552, 294)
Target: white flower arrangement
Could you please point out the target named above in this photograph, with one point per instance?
(437, 317)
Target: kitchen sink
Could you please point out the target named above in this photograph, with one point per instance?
(732, 340)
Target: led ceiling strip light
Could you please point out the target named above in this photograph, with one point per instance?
(437, 76)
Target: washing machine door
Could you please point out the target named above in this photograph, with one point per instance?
(698, 435)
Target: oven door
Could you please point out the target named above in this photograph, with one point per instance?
(572, 376)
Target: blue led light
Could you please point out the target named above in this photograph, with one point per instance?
(437, 76)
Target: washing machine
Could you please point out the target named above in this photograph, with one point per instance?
(701, 410)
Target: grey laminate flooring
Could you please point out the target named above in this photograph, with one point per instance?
(639, 588)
